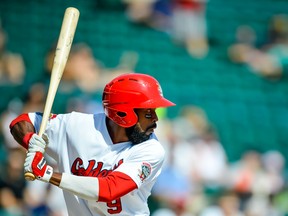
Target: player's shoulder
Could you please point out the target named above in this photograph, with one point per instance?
(150, 147)
(83, 116)
(80, 118)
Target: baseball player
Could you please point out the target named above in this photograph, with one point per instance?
(108, 162)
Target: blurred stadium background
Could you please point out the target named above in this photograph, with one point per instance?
(248, 111)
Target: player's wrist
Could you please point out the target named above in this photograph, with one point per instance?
(56, 179)
(26, 139)
(47, 174)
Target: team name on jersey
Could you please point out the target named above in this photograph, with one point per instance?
(94, 168)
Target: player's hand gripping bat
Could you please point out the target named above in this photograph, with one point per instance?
(65, 40)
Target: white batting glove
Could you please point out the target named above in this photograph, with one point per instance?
(36, 164)
(37, 143)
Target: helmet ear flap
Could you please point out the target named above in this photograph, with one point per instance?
(124, 119)
(121, 114)
(132, 120)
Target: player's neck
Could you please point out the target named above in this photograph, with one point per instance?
(116, 132)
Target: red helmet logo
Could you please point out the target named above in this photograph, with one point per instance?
(129, 91)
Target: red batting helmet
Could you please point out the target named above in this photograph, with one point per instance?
(129, 91)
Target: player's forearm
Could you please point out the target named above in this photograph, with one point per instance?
(84, 187)
(113, 186)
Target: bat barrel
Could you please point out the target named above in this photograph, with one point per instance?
(62, 51)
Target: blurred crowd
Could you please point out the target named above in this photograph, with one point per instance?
(267, 58)
(197, 178)
(12, 67)
(184, 20)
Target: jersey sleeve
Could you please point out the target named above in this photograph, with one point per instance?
(145, 162)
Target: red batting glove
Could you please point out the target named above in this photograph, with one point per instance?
(36, 163)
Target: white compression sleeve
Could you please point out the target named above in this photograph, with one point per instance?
(82, 186)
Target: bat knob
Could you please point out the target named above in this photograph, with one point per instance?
(29, 176)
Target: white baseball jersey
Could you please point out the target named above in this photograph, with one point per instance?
(80, 143)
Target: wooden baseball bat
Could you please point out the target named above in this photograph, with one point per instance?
(64, 43)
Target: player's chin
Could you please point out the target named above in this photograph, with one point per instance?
(149, 131)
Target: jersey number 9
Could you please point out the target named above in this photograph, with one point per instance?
(114, 207)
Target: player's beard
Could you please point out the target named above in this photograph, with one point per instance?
(136, 135)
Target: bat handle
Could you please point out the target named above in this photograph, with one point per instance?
(29, 176)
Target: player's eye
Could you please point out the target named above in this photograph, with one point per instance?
(148, 115)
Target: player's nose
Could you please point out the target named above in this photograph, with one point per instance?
(154, 117)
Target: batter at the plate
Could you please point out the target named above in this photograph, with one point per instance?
(108, 162)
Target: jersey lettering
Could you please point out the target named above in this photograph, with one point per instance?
(93, 169)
